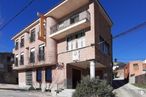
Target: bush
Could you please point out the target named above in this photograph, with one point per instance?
(93, 88)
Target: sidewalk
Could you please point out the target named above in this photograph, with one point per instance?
(9, 87)
(15, 88)
(134, 87)
(141, 91)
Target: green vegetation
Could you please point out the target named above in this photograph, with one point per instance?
(140, 85)
(93, 88)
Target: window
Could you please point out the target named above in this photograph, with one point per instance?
(16, 60)
(32, 56)
(70, 43)
(48, 74)
(32, 35)
(135, 66)
(22, 42)
(39, 75)
(22, 59)
(80, 39)
(104, 46)
(41, 55)
(76, 41)
(16, 45)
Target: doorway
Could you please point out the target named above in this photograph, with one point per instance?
(76, 77)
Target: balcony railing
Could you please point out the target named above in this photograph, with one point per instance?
(41, 57)
(21, 61)
(70, 21)
(32, 60)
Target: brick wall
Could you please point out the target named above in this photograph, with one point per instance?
(141, 79)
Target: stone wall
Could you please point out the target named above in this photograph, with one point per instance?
(141, 79)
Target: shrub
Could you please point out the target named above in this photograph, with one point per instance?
(93, 88)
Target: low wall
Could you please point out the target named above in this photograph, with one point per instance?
(141, 79)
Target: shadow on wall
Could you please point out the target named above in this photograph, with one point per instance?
(141, 79)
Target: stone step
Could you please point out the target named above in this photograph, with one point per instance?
(66, 93)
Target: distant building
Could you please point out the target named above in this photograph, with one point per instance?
(118, 69)
(134, 69)
(7, 75)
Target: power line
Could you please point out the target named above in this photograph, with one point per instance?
(17, 14)
(131, 30)
(137, 27)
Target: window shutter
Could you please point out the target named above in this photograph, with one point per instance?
(39, 75)
(48, 74)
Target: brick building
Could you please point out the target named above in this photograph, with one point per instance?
(70, 41)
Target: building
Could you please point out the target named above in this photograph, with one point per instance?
(70, 41)
(118, 70)
(134, 69)
(6, 73)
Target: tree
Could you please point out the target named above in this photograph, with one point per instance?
(93, 88)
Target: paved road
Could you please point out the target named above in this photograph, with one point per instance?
(13, 93)
(122, 89)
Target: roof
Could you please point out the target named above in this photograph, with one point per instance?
(47, 14)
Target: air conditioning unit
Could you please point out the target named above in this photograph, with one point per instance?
(75, 55)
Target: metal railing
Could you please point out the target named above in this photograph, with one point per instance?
(71, 20)
(41, 57)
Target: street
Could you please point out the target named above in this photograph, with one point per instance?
(123, 89)
(17, 93)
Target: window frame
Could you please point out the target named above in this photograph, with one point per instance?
(32, 35)
(16, 45)
(22, 42)
(104, 46)
(32, 57)
(74, 40)
(41, 53)
(22, 59)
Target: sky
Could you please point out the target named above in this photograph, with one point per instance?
(125, 14)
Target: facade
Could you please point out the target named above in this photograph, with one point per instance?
(134, 69)
(70, 41)
(118, 70)
(6, 73)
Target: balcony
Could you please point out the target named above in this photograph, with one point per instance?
(32, 59)
(71, 25)
(41, 57)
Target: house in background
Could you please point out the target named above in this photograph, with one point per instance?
(7, 75)
(118, 69)
(135, 72)
(70, 41)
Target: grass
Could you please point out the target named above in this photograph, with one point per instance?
(140, 85)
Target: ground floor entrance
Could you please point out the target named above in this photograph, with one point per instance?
(76, 71)
(76, 77)
(61, 76)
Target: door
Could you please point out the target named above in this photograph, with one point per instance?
(76, 77)
(28, 77)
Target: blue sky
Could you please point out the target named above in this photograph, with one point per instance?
(124, 14)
